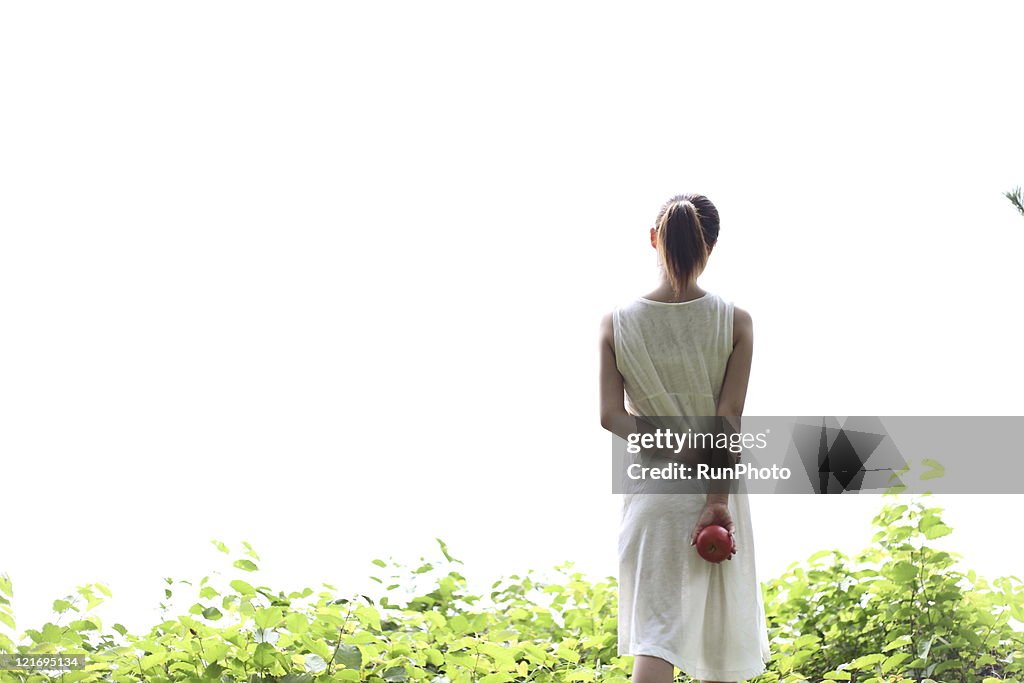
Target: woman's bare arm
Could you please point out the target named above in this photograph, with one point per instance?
(737, 371)
(614, 416)
(734, 393)
(730, 408)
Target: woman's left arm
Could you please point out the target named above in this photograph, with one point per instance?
(614, 416)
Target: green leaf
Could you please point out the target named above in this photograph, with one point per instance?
(268, 617)
(838, 675)
(806, 639)
(896, 642)
(155, 659)
(534, 653)
(213, 672)
(220, 546)
(903, 572)
(212, 613)
(368, 616)
(395, 674)
(91, 600)
(349, 656)
(937, 530)
(947, 665)
(250, 551)
(444, 551)
(434, 656)
(265, 656)
(567, 653)
(818, 555)
(458, 624)
(214, 649)
(52, 634)
(503, 677)
(296, 623)
(924, 648)
(246, 565)
(242, 588)
(865, 661)
(893, 661)
(60, 606)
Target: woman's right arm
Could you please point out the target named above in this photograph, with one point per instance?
(734, 387)
(730, 408)
(737, 371)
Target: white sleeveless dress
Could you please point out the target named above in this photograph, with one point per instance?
(706, 619)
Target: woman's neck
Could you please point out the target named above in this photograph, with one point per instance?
(665, 293)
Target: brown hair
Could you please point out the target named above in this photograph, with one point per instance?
(687, 227)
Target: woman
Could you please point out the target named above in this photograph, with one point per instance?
(682, 351)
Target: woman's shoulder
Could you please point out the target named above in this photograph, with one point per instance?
(739, 321)
(622, 306)
(739, 313)
(729, 303)
(624, 309)
(742, 324)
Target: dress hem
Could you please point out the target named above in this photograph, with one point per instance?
(694, 671)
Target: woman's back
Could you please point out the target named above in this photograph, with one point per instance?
(706, 619)
(666, 358)
(673, 355)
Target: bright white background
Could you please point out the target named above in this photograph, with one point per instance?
(328, 277)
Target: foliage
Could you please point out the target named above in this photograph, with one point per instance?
(900, 608)
(898, 611)
(1016, 198)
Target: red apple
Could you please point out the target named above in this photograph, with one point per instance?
(714, 543)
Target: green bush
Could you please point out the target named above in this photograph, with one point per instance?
(900, 608)
(899, 611)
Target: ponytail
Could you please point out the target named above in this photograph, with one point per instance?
(682, 245)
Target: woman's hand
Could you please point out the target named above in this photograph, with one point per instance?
(715, 513)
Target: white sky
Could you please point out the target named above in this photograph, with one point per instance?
(328, 278)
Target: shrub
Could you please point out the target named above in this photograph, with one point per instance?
(897, 611)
